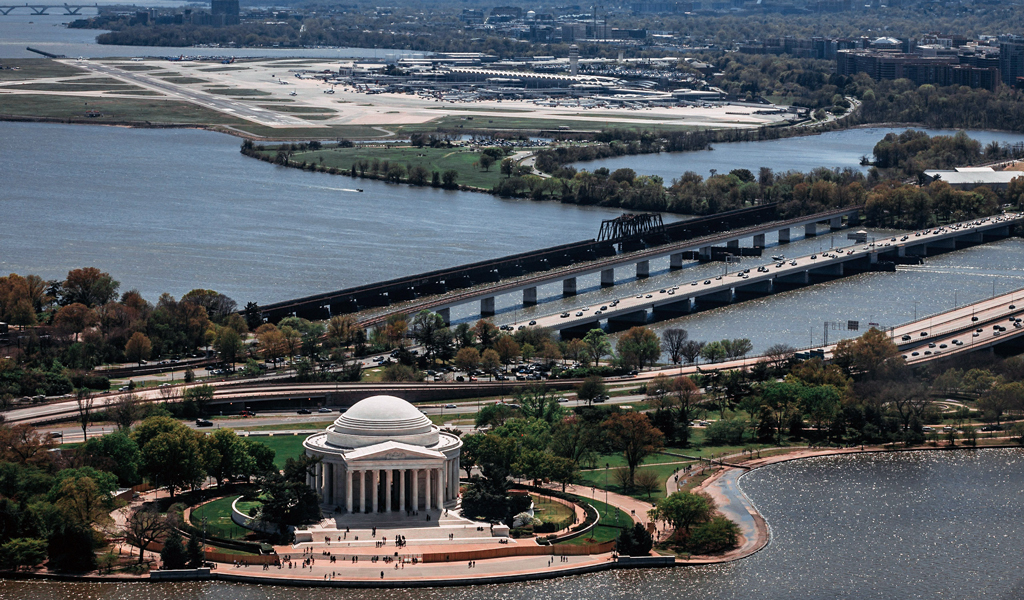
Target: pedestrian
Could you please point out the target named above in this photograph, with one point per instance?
(382, 574)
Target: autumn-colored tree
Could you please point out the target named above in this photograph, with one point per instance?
(637, 347)
(90, 286)
(467, 359)
(873, 354)
(507, 349)
(138, 348)
(490, 360)
(633, 434)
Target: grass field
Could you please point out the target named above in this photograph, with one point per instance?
(182, 80)
(76, 87)
(284, 446)
(613, 520)
(218, 519)
(113, 109)
(549, 511)
(34, 68)
(432, 159)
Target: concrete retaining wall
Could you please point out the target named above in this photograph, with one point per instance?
(180, 574)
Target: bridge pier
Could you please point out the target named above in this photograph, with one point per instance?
(836, 223)
(676, 261)
(715, 298)
(828, 271)
(683, 307)
(784, 235)
(969, 239)
(487, 306)
(628, 320)
(446, 315)
(608, 278)
(792, 280)
(705, 253)
(530, 296)
(759, 240)
(732, 244)
(811, 230)
(756, 289)
(643, 269)
(569, 286)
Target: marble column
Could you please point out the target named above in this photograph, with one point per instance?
(401, 490)
(328, 483)
(440, 488)
(376, 490)
(320, 478)
(350, 478)
(415, 489)
(389, 475)
(426, 488)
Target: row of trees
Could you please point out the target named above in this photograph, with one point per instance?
(81, 322)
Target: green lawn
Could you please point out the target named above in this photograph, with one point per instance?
(218, 519)
(34, 68)
(284, 446)
(608, 528)
(550, 511)
(432, 159)
(602, 480)
(113, 109)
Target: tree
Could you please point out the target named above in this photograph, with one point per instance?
(199, 397)
(138, 348)
(635, 541)
(507, 349)
(737, 347)
(230, 453)
(633, 434)
(117, 453)
(486, 161)
(399, 372)
(508, 167)
(713, 352)
(779, 355)
(22, 552)
(89, 286)
(638, 346)
(683, 510)
(84, 401)
(647, 482)
(143, 525)
(597, 345)
(450, 179)
(591, 388)
(692, 349)
(779, 399)
(714, 536)
(490, 360)
(195, 552)
(228, 345)
(173, 554)
(872, 354)
(174, 458)
(672, 342)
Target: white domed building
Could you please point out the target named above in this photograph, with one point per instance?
(383, 455)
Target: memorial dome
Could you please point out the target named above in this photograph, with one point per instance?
(382, 418)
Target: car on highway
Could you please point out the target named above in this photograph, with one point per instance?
(450, 406)
(579, 313)
(304, 411)
(533, 322)
(323, 409)
(564, 315)
(203, 423)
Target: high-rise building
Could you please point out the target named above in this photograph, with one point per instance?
(225, 12)
(574, 60)
(1011, 58)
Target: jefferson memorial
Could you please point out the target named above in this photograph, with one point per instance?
(383, 455)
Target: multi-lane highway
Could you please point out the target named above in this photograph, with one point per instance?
(764, 280)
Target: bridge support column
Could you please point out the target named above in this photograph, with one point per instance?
(705, 253)
(836, 222)
(608, 278)
(487, 306)
(732, 244)
(676, 261)
(446, 315)
(759, 240)
(784, 235)
(853, 218)
(530, 296)
(569, 286)
(643, 269)
(811, 230)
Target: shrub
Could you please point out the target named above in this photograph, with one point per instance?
(715, 536)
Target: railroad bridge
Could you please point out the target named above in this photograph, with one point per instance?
(693, 239)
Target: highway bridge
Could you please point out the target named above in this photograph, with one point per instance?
(784, 275)
(41, 9)
(706, 238)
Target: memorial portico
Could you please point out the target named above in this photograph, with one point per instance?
(383, 455)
